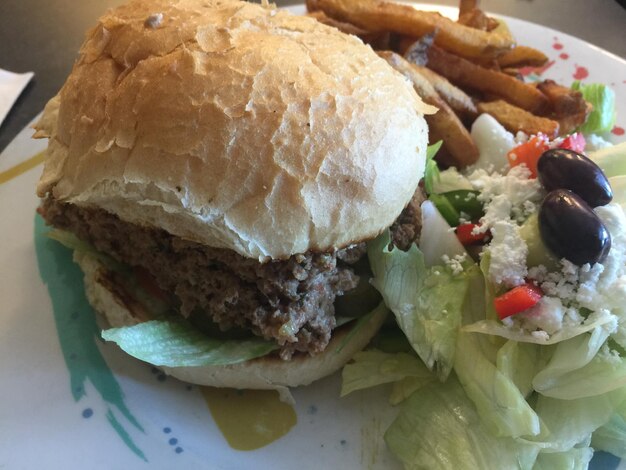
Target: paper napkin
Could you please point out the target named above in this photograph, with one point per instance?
(11, 85)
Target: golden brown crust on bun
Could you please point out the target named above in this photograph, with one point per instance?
(235, 125)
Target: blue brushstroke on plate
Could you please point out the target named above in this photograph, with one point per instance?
(603, 461)
(78, 332)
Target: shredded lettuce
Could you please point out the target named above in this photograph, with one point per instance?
(611, 437)
(576, 370)
(496, 328)
(602, 98)
(372, 368)
(618, 185)
(431, 172)
(600, 376)
(574, 459)
(570, 423)
(450, 180)
(378, 313)
(176, 343)
(611, 159)
(520, 362)
(438, 428)
(404, 388)
(500, 404)
(426, 302)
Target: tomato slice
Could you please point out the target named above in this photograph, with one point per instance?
(517, 300)
(528, 153)
(575, 142)
(464, 233)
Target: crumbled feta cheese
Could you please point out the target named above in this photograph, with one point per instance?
(592, 287)
(609, 355)
(540, 335)
(521, 137)
(508, 255)
(455, 263)
(513, 195)
(547, 315)
(573, 295)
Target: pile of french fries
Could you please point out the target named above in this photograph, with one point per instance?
(465, 68)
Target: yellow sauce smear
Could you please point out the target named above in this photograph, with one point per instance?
(23, 167)
(249, 419)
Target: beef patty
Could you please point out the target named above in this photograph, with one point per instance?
(289, 301)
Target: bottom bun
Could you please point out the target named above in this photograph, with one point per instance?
(263, 373)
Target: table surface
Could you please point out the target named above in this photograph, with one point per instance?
(44, 37)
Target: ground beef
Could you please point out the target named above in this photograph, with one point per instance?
(408, 226)
(290, 301)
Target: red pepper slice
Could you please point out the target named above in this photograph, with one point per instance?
(529, 153)
(575, 142)
(464, 233)
(517, 300)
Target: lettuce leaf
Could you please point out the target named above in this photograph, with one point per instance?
(600, 376)
(404, 388)
(450, 180)
(372, 368)
(576, 370)
(611, 437)
(438, 428)
(431, 172)
(426, 302)
(500, 404)
(520, 362)
(618, 185)
(602, 98)
(379, 312)
(496, 328)
(612, 159)
(574, 459)
(570, 423)
(176, 343)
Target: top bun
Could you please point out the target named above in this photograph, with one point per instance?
(235, 125)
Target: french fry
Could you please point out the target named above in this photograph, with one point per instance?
(516, 119)
(564, 101)
(378, 40)
(467, 6)
(471, 15)
(479, 20)
(415, 51)
(522, 56)
(342, 26)
(464, 73)
(444, 124)
(456, 98)
(379, 15)
(568, 106)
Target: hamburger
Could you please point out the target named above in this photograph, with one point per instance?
(219, 165)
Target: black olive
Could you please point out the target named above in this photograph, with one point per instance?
(566, 169)
(571, 229)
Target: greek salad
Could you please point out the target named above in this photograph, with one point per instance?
(511, 346)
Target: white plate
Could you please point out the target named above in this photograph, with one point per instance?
(96, 408)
